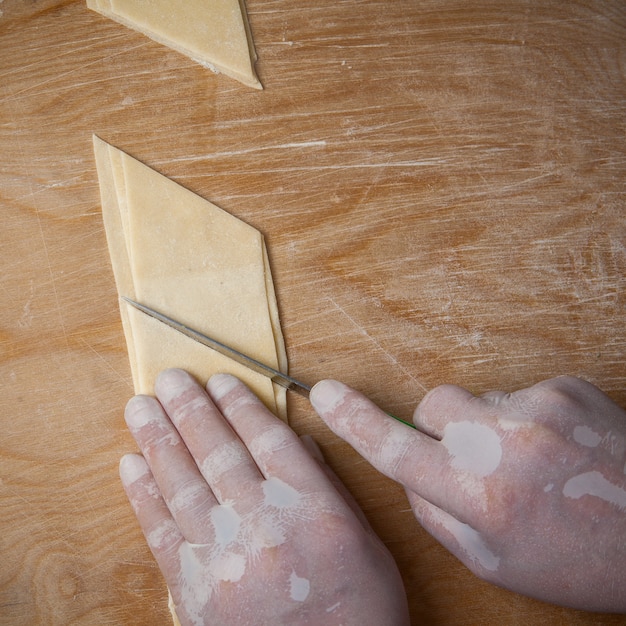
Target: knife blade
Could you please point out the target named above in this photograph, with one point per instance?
(284, 380)
(261, 368)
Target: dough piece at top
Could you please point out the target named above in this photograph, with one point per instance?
(216, 33)
(180, 254)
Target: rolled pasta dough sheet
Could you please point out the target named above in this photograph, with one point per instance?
(216, 33)
(184, 256)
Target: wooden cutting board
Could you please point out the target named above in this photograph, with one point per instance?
(442, 189)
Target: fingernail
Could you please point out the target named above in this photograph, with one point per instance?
(220, 385)
(327, 395)
(132, 468)
(172, 383)
(139, 411)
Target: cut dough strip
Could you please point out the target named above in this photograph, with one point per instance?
(216, 34)
(182, 255)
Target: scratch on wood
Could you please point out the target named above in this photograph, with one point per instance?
(121, 377)
(56, 78)
(390, 356)
(229, 153)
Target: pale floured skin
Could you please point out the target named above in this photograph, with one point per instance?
(246, 523)
(527, 489)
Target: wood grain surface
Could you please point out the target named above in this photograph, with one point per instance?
(442, 189)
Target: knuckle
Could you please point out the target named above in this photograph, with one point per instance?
(560, 398)
(272, 439)
(563, 395)
(191, 498)
(391, 451)
(222, 459)
(566, 385)
(241, 402)
(188, 407)
(443, 397)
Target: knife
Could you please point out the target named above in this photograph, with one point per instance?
(284, 380)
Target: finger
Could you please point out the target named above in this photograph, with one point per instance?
(220, 454)
(276, 449)
(157, 524)
(342, 490)
(184, 490)
(439, 406)
(409, 457)
(466, 543)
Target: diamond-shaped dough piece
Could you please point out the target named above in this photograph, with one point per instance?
(214, 33)
(182, 255)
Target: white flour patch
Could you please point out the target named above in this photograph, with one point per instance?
(192, 568)
(282, 509)
(474, 488)
(226, 523)
(333, 607)
(239, 539)
(595, 484)
(196, 584)
(586, 437)
(223, 459)
(191, 408)
(279, 494)
(163, 535)
(188, 497)
(299, 588)
(473, 447)
(153, 491)
(202, 570)
(229, 567)
(269, 441)
(549, 487)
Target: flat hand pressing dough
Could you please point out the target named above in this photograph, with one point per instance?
(180, 254)
(214, 33)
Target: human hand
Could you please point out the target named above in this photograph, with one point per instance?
(527, 489)
(245, 524)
